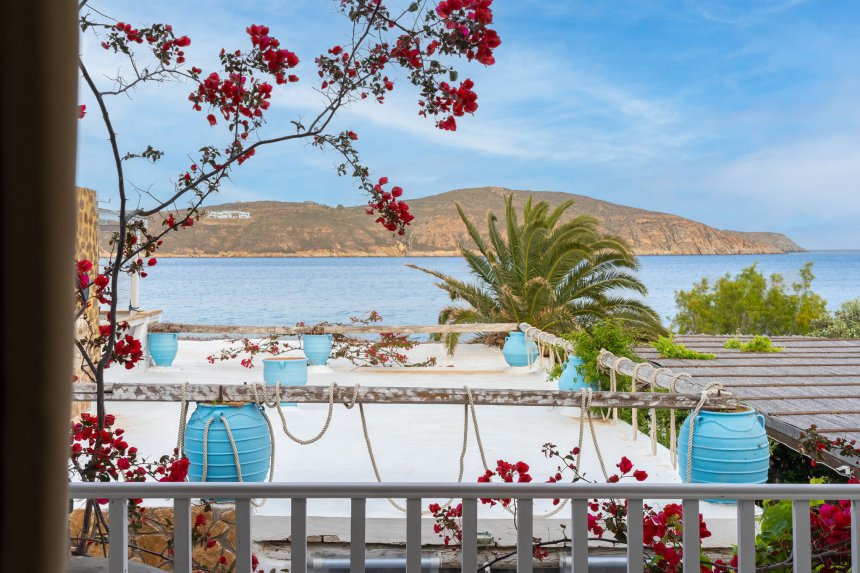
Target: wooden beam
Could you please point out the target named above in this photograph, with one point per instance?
(332, 329)
(789, 436)
(122, 391)
(664, 379)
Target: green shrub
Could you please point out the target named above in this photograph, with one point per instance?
(750, 303)
(617, 339)
(668, 348)
(756, 344)
(844, 323)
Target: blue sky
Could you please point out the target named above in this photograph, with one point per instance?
(742, 114)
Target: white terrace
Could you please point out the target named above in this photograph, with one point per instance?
(328, 488)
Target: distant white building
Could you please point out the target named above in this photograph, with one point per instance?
(229, 214)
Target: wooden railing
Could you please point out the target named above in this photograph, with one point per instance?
(179, 327)
(579, 494)
(160, 392)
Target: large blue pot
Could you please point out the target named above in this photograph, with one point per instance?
(317, 348)
(571, 379)
(515, 350)
(250, 433)
(728, 447)
(289, 371)
(163, 347)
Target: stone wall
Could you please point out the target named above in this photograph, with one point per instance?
(150, 537)
(86, 247)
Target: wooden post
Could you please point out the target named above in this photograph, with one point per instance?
(39, 119)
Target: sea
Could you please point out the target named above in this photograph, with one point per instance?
(285, 291)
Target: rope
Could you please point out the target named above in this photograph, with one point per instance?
(206, 447)
(673, 430)
(635, 411)
(375, 467)
(475, 426)
(613, 381)
(530, 336)
(276, 403)
(271, 439)
(712, 388)
(654, 410)
(587, 394)
(262, 502)
(233, 447)
(183, 417)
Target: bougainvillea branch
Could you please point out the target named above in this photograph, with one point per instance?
(662, 527)
(422, 41)
(387, 350)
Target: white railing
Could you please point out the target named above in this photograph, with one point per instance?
(524, 494)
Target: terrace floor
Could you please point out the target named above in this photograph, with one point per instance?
(412, 443)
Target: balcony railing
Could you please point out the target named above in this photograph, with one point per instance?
(524, 494)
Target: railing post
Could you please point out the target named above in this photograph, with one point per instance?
(635, 557)
(356, 529)
(746, 536)
(801, 545)
(243, 535)
(469, 546)
(579, 535)
(855, 535)
(118, 536)
(182, 535)
(298, 535)
(525, 537)
(413, 535)
(690, 517)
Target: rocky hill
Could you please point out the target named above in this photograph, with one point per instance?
(274, 229)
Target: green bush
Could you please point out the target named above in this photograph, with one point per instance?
(750, 303)
(756, 344)
(844, 323)
(668, 348)
(617, 339)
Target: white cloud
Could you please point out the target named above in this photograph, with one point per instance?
(740, 11)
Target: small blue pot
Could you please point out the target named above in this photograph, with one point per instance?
(728, 447)
(163, 347)
(515, 350)
(570, 378)
(317, 348)
(289, 371)
(250, 434)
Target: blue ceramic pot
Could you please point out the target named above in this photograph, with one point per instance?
(289, 371)
(515, 351)
(250, 434)
(317, 348)
(570, 378)
(163, 347)
(728, 447)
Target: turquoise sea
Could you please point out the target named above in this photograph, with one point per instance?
(283, 291)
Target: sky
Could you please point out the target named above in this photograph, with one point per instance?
(741, 114)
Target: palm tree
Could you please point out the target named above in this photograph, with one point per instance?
(559, 277)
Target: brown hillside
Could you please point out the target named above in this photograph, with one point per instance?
(310, 229)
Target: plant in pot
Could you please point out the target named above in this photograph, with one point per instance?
(317, 344)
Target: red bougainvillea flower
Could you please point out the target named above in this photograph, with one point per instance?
(82, 111)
